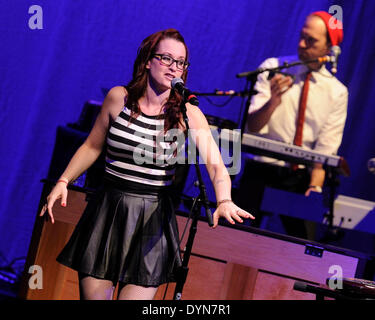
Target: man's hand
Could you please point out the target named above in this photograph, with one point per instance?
(313, 189)
(279, 85)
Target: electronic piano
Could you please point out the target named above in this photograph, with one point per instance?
(255, 144)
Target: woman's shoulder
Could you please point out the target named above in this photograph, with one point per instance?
(115, 100)
(117, 93)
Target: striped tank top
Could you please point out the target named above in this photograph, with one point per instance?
(138, 150)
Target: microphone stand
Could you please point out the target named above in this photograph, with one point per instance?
(332, 233)
(251, 77)
(201, 200)
(250, 84)
(285, 65)
(219, 93)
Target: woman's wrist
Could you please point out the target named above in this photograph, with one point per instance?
(222, 201)
(64, 180)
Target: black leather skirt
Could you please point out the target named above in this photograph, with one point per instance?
(126, 237)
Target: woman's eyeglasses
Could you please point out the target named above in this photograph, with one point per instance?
(168, 61)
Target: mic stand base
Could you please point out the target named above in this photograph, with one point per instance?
(332, 233)
(182, 271)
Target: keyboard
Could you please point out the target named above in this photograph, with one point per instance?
(283, 151)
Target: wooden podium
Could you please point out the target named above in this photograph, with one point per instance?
(227, 263)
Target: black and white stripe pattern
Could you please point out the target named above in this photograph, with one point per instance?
(138, 151)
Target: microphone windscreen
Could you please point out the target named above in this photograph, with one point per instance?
(335, 50)
(176, 81)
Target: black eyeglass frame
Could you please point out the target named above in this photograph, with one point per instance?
(160, 56)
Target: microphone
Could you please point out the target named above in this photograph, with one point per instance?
(335, 52)
(371, 165)
(178, 85)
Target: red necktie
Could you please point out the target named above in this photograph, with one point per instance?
(301, 114)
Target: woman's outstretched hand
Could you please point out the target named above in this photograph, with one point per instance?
(60, 191)
(231, 212)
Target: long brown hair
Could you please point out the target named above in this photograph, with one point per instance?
(137, 86)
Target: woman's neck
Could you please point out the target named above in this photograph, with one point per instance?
(152, 102)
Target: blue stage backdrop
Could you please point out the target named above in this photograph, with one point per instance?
(83, 46)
